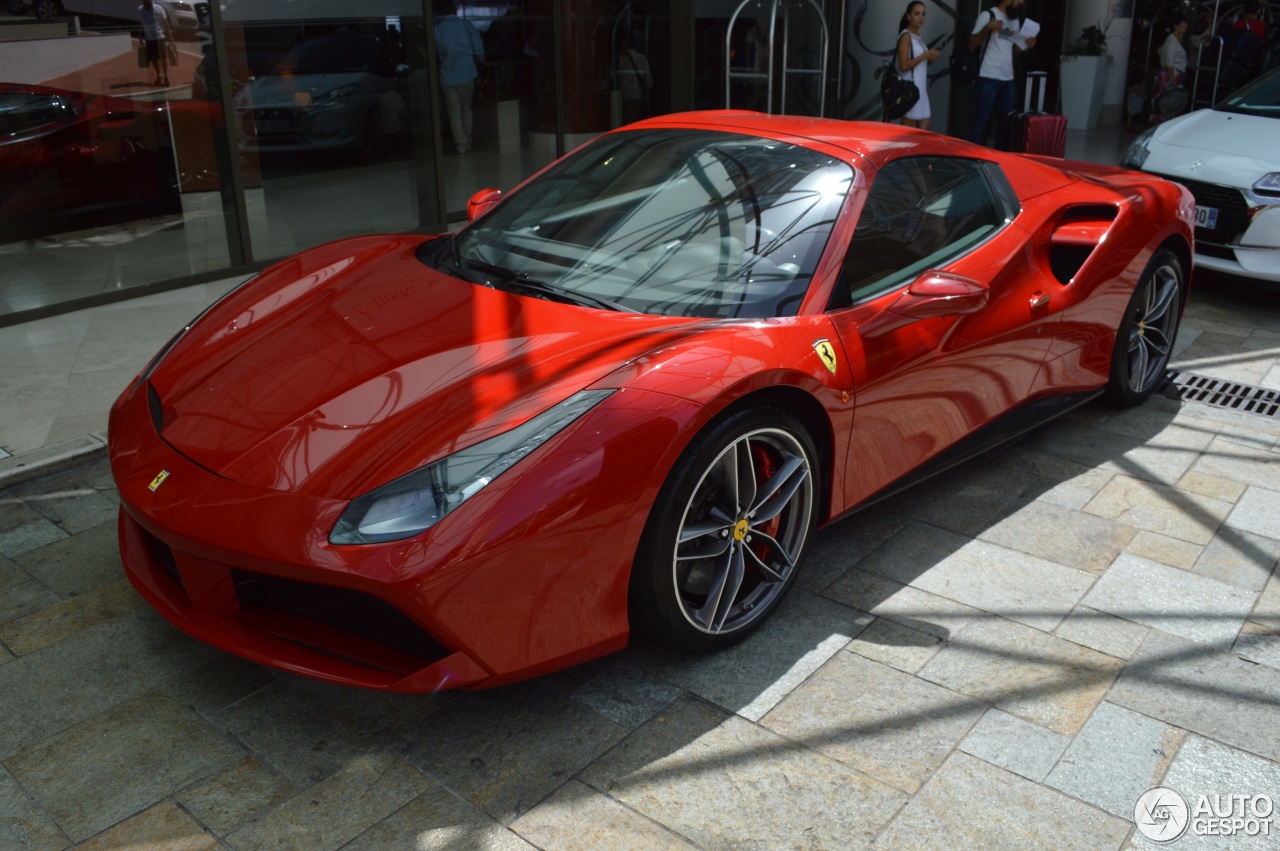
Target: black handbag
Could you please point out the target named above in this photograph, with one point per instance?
(898, 95)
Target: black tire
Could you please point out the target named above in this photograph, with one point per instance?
(1144, 340)
(47, 10)
(733, 517)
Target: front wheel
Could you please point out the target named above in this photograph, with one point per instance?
(1144, 341)
(725, 536)
(47, 10)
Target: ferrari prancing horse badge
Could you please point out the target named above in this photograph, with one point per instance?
(158, 480)
(828, 355)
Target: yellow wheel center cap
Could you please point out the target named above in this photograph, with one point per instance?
(740, 530)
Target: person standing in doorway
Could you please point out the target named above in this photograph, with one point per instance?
(994, 91)
(155, 32)
(460, 50)
(914, 57)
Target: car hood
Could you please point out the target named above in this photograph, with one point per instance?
(1215, 147)
(354, 363)
(274, 90)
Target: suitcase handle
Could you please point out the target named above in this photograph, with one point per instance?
(1039, 81)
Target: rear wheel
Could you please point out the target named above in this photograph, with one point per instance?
(727, 532)
(1144, 341)
(47, 9)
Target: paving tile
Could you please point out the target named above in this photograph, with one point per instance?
(1015, 745)
(1172, 600)
(226, 680)
(1102, 632)
(1160, 508)
(1059, 481)
(971, 804)
(1227, 490)
(308, 729)
(1239, 558)
(1025, 672)
(721, 781)
(1203, 767)
(120, 762)
(1215, 694)
(438, 819)
(22, 823)
(94, 474)
(992, 578)
(1115, 757)
(164, 826)
(842, 545)
(506, 749)
(30, 535)
(901, 647)
(76, 509)
(78, 564)
(1152, 454)
(20, 593)
(624, 693)
(1165, 550)
(577, 816)
(967, 498)
(1061, 535)
(1258, 511)
(228, 799)
(55, 687)
(885, 723)
(1259, 643)
(338, 809)
(54, 623)
(1228, 459)
(1267, 610)
(911, 607)
(750, 678)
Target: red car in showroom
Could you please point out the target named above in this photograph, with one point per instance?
(623, 397)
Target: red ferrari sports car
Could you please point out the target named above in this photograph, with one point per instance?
(624, 395)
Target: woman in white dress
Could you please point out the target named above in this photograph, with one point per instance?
(1173, 69)
(914, 57)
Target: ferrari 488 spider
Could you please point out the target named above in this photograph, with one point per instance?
(624, 396)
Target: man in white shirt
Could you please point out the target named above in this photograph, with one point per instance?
(155, 32)
(995, 88)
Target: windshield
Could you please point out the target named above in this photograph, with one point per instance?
(1261, 97)
(674, 222)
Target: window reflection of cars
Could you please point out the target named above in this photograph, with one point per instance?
(330, 92)
(1227, 156)
(70, 159)
(183, 15)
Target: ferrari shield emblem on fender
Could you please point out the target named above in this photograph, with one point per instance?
(827, 353)
(158, 480)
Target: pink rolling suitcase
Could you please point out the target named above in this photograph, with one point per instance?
(1042, 133)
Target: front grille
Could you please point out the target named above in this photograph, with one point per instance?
(348, 624)
(1223, 394)
(1233, 211)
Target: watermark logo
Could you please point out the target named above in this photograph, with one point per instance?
(1161, 814)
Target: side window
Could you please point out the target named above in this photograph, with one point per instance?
(919, 213)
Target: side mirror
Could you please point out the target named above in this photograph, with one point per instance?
(482, 202)
(933, 293)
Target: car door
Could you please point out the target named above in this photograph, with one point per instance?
(940, 312)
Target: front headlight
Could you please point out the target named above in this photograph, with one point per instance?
(1268, 186)
(1136, 156)
(417, 501)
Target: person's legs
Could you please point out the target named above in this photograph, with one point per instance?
(1006, 96)
(465, 92)
(453, 108)
(984, 100)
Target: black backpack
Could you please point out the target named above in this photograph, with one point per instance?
(965, 63)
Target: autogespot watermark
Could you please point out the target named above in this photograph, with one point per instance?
(1164, 815)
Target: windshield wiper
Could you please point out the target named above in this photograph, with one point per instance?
(520, 280)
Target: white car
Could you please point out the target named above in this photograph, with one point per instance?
(182, 13)
(1229, 157)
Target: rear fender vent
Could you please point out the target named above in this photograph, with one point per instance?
(1076, 234)
(1223, 394)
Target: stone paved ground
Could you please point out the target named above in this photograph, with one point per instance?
(1006, 657)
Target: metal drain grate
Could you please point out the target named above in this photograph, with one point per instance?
(1222, 394)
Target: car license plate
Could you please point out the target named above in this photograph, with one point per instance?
(1207, 217)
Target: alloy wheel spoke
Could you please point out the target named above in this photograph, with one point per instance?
(771, 573)
(707, 539)
(744, 473)
(724, 591)
(781, 487)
